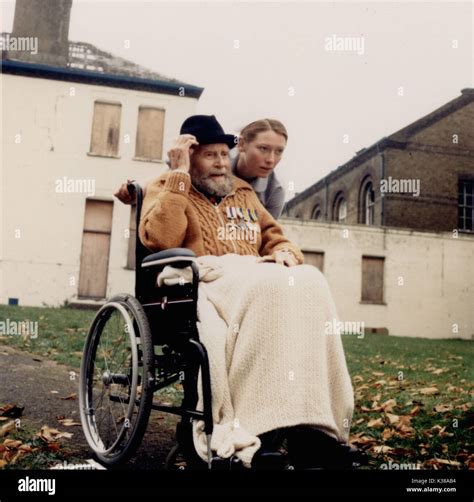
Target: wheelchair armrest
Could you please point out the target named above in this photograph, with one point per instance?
(179, 257)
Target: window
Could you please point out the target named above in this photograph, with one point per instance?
(132, 238)
(317, 215)
(367, 202)
(340, 208)
(105, 129)
(466, 205)
(149, 144)
(314, 258)
(372, 279)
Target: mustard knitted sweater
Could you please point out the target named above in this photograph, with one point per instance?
(176, 214)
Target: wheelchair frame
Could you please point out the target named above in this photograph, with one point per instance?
(182, 351)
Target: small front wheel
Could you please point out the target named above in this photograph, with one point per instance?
(117, 377)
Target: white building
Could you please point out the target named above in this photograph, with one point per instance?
(71, 135)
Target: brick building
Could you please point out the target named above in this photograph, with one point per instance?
(421, 177)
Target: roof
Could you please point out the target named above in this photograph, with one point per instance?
(398, 139)
(88, 64)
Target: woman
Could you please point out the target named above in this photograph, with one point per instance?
(260, 149)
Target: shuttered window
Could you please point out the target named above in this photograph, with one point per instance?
(372, 279)
(149, 143)
(106, 129)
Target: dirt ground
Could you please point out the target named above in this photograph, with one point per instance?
(40, 385)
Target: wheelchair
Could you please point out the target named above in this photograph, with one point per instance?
(137, 345)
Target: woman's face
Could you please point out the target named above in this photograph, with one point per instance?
(262, 154)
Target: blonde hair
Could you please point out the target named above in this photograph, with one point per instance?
(250, 131)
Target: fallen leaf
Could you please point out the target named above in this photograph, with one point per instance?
(443, 408)
(393, 419)
(382, 449)
(361, 420)
(376, 423)
(415, 410)
(387, 434)
(11, 410)
(54, 447)
(388, 405)
(68, 422)
(71, 397)
(378, 373)
(12, 443)
(429, 391)
(380, 383)
(448, 462)
(48, 434)
(358, 378)
(8, 427)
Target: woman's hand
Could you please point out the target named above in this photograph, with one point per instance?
(282, 257)
(179, 153)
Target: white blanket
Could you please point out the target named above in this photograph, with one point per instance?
(273, 360)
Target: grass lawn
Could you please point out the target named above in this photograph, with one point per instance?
(412, 394)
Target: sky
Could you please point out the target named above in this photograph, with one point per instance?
(339, 75)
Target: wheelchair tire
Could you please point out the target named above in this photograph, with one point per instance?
(116, 382)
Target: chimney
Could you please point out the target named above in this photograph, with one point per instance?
(45, 23)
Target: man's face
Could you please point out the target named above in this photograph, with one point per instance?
(210, 169)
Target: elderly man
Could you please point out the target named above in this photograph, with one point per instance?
(275, 368)
(197, 205)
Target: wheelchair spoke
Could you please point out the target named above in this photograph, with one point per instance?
(113, 410)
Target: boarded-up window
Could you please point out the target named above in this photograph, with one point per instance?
(372, 279)
(314, 258)
(95, 249)
(149, 145)
(106, 129)
(132, 238)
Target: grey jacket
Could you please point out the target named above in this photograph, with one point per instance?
(268, 190)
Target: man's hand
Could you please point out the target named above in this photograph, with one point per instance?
(123, 194)
(282, 257)
(179, 153)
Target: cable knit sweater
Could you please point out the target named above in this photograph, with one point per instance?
(176, 214)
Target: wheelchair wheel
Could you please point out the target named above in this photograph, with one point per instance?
(116, 383)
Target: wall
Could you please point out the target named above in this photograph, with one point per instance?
(436, 269)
